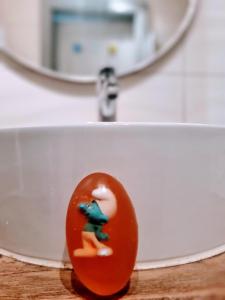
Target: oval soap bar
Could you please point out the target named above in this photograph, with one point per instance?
(102, 234)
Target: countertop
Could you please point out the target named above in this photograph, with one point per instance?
(200, 280)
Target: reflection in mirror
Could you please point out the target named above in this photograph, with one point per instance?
(76, 39)
(80, 37)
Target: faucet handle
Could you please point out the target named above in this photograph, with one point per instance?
(108, 90)
(107, 72)
(108, 75)
(107, 81)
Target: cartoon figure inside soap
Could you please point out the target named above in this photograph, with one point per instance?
(98, 212)
(101, 234)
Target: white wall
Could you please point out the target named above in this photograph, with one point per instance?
(186, 86)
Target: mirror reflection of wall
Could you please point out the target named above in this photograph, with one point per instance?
(80, 37)
(21, 23)
(74, 39)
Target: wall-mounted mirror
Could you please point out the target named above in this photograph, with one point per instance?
(74, 39)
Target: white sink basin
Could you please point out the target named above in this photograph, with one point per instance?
(174, 174)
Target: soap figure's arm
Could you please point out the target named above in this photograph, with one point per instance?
(96, 219)
(101, 236)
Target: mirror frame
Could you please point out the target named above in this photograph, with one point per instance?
(171, 43)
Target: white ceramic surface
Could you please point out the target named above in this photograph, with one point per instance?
(174, 174)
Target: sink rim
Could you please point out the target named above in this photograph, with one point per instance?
(139, 266)
(115, 125)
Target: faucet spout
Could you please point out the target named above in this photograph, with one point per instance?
(108, 90)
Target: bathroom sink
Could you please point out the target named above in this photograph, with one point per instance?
(174, 174)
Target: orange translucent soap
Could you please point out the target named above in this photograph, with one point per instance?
(102, 234)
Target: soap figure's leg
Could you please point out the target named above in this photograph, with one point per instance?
(89, 249)
(103, 250)
(92, 247)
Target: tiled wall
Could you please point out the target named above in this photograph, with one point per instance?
(188, 85)
(204, 54)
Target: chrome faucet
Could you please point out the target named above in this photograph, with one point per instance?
(108, 90)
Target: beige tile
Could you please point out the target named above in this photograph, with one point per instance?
(152, 99)
(205, 46)
(205, 100)
(213, 7)
(24, 102)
